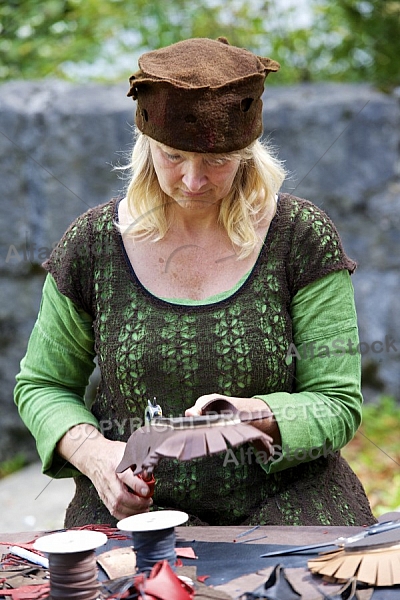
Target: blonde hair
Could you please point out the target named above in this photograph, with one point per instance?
(251, 199)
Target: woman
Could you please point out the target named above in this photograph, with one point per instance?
(203, 280)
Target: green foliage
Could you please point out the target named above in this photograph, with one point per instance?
(374, 454)
(342, 40)
(345, 40)
(38, 37)
(360, 40)
(11, 466)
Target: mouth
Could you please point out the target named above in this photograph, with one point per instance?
(193, 194)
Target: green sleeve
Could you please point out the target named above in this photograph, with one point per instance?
(324, 412)
(54, 374)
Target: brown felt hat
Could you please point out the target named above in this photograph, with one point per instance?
(201, 95)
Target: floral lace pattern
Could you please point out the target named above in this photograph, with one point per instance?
(148, 348)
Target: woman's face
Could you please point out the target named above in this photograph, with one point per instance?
(193, 179)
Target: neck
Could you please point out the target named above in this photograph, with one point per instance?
(195, 221)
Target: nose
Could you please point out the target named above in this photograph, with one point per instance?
(194, 176)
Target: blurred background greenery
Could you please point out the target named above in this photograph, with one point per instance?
(339, 40)
(315, 40)
(374, 454)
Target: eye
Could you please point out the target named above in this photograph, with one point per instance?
(172, 157)
(217, 162)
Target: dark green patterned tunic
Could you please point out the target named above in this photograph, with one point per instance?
(148, 348)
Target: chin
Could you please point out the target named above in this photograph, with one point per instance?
(197, 202)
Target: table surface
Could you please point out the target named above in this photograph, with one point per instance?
(266, 534)
(262, 535)
(274, 535)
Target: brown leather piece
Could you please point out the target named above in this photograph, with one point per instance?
(186, 438)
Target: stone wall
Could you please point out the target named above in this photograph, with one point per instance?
(58, 143)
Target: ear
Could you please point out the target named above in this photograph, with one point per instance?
(223, 40)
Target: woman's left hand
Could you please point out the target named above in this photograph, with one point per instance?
(252, 406)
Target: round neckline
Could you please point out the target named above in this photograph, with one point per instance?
(188, 302)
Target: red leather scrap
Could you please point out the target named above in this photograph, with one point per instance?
(111, 532)
(26, 545)
(161, 584)
(27, 592)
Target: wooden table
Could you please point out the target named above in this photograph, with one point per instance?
(269, 535)
(263, 535)
(291, 536)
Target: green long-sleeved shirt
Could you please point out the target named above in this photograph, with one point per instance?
(287, 333)
(324, 411)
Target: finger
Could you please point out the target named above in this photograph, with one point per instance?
(128, 510)
(135, 484)
(150, 483)
(193, 411)
(197, 409)
(134, 503)
(201, 400)
(128, 504)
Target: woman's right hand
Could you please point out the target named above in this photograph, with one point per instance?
(124, 494)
